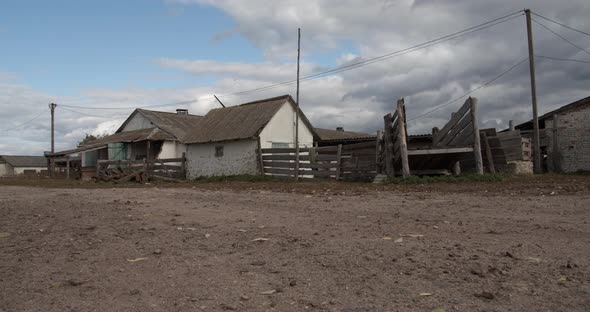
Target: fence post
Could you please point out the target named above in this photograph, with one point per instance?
(183, 165)
(97, 169)
(401, 116)
(259, 157)
(339, 161)
(387, 136)
(476, 139)
(378, 151)
(489, 156)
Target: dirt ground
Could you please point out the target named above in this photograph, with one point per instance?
(518, 245)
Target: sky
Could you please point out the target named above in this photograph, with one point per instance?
(108, 57)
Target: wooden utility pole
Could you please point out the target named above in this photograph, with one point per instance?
(52, 108)
(51, 161)
(297, 108)
(476, 138)
(536, 139)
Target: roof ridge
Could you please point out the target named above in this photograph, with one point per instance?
(286, 96)
(172, 113)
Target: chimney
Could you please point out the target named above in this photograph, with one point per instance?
(181, 111)
(340, 129)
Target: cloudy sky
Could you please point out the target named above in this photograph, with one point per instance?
(116, 55)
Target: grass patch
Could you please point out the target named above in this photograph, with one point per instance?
(232, 178)
(488, 177)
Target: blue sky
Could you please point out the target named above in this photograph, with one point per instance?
(136, 53)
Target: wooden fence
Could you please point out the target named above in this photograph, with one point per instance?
(169, 169)
(341, 162)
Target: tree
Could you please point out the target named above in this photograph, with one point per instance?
(89, 138)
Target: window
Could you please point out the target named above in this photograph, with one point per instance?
(218, 151)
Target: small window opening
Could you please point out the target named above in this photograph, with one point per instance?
(218, 151)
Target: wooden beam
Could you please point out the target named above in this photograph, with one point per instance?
(476, 141)
(387, 119)
(403, 138)
(378, 151)
(339, 161)
(490, 158)
(452, 150)
(259, 156)
(447, 127)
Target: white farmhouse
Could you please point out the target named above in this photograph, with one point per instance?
(223, 142)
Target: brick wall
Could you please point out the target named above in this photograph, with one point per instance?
(572, 152)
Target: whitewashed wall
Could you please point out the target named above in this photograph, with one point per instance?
(21, 170)
(239, 157)
(281, 129)
(172, 149)
(6, 170)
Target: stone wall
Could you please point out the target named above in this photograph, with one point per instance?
(570, 152)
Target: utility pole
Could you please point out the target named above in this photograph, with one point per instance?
(50, 160)
(52, 108)
(536, 139)
(297, 108)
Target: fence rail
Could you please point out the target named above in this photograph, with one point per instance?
(169, 169)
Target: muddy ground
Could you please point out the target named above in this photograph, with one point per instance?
(518, 245)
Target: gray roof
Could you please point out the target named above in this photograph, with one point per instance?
(176, 125)
(25, 161)
(239, 122)
(579, 104)
(336, 135)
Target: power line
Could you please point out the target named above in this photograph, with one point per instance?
(561, 59)
(24, 123)
(471, 91)
(81, 113)
(561, 24)
(414, 48)
(560, 36)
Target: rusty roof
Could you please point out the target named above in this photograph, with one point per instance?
(151, 134)
(178, 126)
(239, 122)
(337, 135)
(25, 161)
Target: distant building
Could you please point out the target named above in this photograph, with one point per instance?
(11, 165)
(565, 137)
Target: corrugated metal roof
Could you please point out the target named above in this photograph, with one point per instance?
(336, 135)
(239, 122)
(152, 134)
(25, 161)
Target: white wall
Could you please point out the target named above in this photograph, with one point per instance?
(137, 122)
(21, 170)
(239, 157)
(281, 129)
(172, 149)
(6, 170)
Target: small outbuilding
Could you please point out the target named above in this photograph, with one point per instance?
(11, 165)
(564, 136)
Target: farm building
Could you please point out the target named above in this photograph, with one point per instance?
(16, 165)
(223, 142)
(565, 137)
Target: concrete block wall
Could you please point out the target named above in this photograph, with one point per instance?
(573, 141)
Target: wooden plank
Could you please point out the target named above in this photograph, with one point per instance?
(456, 117)
(441, 151)
(402, 138)
(488, 151)
(131, 175)
(167, 160)
(361, 145)
(283, 150)
(301, 158)
(378, 151)
(167, 167)
(289, 164)
(339, 161)
(476, 140)
(289, 172)
(388, 137)
(455, 131)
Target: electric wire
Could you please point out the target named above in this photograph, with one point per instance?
(561, 59)
(414, 48)
(561, 24)
(560, 36)
(24, 123)
(470, 91)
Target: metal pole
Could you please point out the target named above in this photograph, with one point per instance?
(536, 139)
(297, 108)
